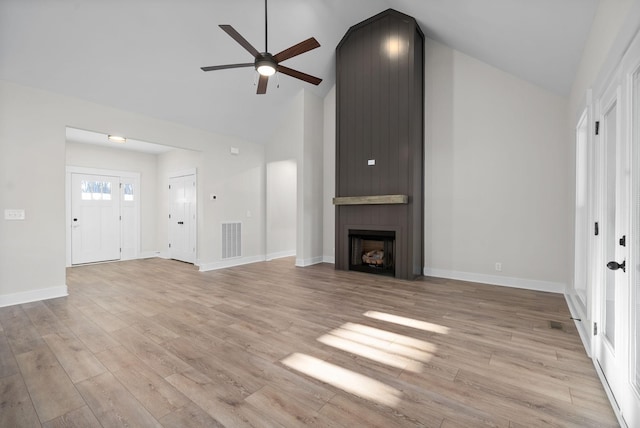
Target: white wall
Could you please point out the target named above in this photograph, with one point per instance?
(329, 178)
(92, 156)
(496, 176)
(609, 18)
(32, 252)
(310, 198)
(282, 180)
(285, 146)
(32, 156)
(300, 137)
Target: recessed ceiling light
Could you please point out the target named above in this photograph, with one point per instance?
(117, 139)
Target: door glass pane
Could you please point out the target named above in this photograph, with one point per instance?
(635, 312)
(95, 190)
(128, 191)
(610, 135)
(582, 211)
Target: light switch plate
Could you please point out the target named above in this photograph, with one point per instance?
(13, 214)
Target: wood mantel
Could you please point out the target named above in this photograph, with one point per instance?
(371, 200)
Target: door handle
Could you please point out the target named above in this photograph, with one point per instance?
(615, 265)
(181, 222)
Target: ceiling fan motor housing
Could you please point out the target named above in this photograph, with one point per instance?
(265, 64)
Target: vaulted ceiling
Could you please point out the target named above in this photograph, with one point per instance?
(145, 55)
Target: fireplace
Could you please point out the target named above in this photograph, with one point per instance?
(379, 197)
(372, 251)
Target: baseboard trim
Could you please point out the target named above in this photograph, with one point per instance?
(329, 259)
(150, 255)
(280, 255)
(610, 396)
(581, 324)
(204, 267)
(504, 281)
(309, 262)
(33, 296)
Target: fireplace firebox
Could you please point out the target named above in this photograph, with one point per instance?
(372, 251)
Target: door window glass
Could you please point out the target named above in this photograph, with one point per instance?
(128, 191)
(610, 135)
(635, 312)
(95, 190)
(582, 211)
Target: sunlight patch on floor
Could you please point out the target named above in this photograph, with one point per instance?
(408, 322)
(350, 338)
(347, 380)
(390, 337)
(371, 353)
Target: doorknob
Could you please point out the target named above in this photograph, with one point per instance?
(615, 265)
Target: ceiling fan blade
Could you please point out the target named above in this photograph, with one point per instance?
(222, 67)
(262, 84)
(238, 38)
(299, 75)
(300, 48)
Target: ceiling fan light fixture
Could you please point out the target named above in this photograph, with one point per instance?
(266, 65)
(266, 70)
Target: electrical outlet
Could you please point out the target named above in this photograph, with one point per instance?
(498, 267)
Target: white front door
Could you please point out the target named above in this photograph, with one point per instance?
(628, 394)
(95, 218)
(182, 218)
(609, 343)
(617, 344)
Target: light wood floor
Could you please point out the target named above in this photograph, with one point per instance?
(156, 343)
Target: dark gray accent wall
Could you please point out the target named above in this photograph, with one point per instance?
(380, 117)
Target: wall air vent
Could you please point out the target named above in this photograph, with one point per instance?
(231, 240)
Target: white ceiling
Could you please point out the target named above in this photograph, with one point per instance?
(145, 55)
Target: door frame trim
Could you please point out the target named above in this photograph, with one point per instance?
(70, 169)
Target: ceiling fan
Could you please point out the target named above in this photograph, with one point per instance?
(265, 63)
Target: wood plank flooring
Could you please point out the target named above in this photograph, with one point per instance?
(152, 343)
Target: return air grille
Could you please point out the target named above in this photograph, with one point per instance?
(231, 240)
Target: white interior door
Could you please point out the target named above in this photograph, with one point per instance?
(95, 218)
(182, 218)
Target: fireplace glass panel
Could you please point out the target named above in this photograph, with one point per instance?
(372, 251)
